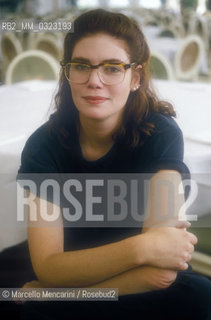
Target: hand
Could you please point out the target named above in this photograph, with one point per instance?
(29, 285)
(33, 284)
(169, 247)
(158, 278)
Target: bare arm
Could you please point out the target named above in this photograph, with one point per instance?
(166, 216)
(84, 267)
(139, 280)
(77, 268)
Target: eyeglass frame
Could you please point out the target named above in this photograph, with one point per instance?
(126, 66)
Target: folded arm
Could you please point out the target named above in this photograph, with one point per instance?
(127, 264)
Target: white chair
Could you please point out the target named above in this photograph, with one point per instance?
(32, 65)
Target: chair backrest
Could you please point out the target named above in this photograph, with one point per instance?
(10, 47)
(188, 58)
(160, 67)
(31, 65)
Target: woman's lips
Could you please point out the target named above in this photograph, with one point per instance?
(95, 99)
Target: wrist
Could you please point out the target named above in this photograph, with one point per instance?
(139, 250)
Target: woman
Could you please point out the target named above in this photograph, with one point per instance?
(108, 120)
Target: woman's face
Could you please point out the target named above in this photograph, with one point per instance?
(94, 99)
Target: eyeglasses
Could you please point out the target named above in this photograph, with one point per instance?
(109, 73)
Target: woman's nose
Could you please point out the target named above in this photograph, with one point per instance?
(94, 78)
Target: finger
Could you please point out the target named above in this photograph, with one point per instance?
(32, 284)
(193, 238)
(26, 285)
(183, 224)
(190, 248)
(184, 266)
(188, 257)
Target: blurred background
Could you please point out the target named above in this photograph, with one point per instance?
(178, 31)
(179, 35)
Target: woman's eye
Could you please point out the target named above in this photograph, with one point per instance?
(112, 69)
(81, 67)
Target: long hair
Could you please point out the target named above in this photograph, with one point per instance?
(135, 127)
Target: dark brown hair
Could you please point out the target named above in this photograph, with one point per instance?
(135, 127)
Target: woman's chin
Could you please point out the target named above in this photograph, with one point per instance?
(95, 116)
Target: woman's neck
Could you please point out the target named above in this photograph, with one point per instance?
(96, 138)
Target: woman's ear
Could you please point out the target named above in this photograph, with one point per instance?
(136, 78)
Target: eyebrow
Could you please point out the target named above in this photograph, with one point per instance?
(82, 59)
